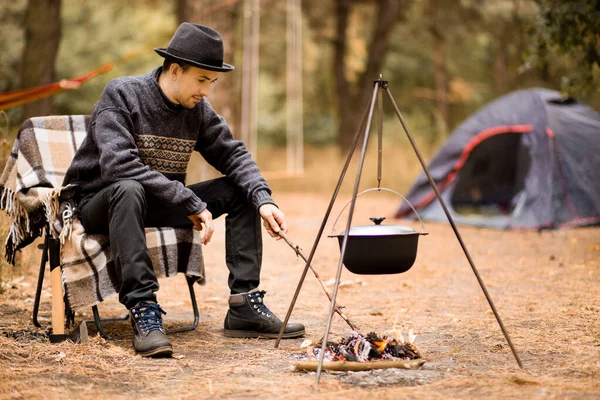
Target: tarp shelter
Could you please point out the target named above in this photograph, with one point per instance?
(530, 159)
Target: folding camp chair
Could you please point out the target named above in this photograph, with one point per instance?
(51, 254)
(35, 201)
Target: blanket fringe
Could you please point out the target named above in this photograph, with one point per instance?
(23, 230)
(67, 218)
(51, 205)
(7, 200)
(61, 223)
(19, 223)
(12, 206)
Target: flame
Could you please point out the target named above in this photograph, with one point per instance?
(411, 336)
(396, 334)
(381, 345)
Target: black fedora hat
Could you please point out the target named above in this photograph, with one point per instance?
(196, 45)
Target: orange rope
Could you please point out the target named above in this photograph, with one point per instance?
(22, 96)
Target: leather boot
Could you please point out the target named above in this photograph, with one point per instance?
(249, 317)
(149, 337)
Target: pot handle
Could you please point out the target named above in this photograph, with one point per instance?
(379, 190)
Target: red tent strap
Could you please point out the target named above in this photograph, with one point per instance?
(474, 142)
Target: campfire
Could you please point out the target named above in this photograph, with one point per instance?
(356, 352)
(371, 347)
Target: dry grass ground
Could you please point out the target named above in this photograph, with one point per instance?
(545, 286)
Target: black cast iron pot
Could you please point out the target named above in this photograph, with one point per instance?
(380, 249)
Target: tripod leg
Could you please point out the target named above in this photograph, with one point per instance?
(38, 291)
(348, 224)
(454, 228)
(379, 135)
(325, 218)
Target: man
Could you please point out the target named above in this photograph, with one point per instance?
(131, 170)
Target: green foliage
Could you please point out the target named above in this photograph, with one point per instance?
(484, 46)
(271, 113)
(569, 32)
(93, 36)
(12, 15)
(477, 36)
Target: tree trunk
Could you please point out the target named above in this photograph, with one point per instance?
(353, 100)
(346, 119)
(441, 76)
(436, 28)
(183, 11)
(500, 68)
(224, 96)
(42, 38)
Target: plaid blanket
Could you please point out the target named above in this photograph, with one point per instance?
(35, 202)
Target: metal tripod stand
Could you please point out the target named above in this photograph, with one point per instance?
(379, 86)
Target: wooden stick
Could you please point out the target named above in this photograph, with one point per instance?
(338, 309)
(359, 366)
(58, 305)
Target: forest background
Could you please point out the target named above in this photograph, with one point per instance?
(443, 59)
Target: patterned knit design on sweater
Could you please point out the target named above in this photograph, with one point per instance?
(166, 155)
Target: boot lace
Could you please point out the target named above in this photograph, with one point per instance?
(148, 316)
(256, 300)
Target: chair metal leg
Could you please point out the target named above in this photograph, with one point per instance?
(38, 291)
(69, 316)
(98, 321)
(51, 252)
(190, 282)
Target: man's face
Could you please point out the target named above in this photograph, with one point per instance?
(192, 85)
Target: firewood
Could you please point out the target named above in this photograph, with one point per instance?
(359, 366)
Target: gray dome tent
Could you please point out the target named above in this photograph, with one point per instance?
(530, 159)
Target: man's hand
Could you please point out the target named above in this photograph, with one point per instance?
(274, 220)
(205, 217)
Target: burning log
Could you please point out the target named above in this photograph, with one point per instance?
(359, 348)
(355, 366)
(361, 353)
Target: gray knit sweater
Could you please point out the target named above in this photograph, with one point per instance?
(136, 133)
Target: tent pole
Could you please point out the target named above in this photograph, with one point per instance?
(299, 109)
(290, 100)
(454, 228)
(255, 39)
(246, 75)
(294, 107)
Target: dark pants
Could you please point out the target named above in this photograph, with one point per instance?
(123, 209)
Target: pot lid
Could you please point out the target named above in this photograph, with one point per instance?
(380, 230)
